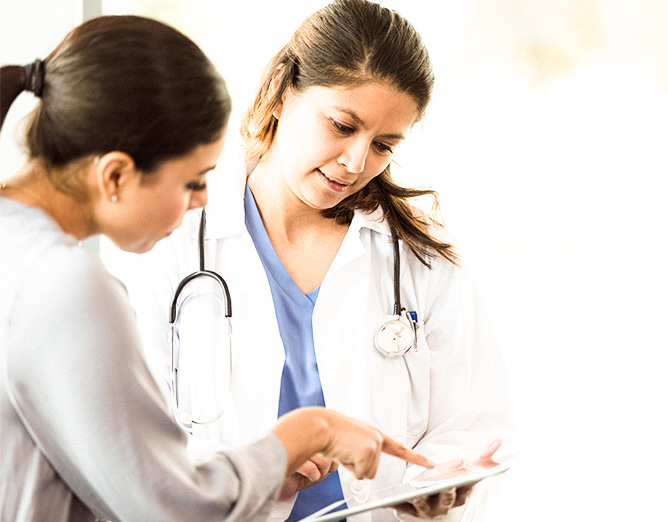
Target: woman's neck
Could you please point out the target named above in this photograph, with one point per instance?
(305, 241)
(32, 187)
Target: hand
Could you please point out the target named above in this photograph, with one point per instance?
(454, 468)
(354, 444)
(436, 505)
(358, 445)
(310, 473)
(439, 504)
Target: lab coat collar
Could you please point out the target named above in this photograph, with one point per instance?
(225, 208)
(225, 215)
(372, 220)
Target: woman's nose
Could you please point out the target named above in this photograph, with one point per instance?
(198, 199)
(354, 155)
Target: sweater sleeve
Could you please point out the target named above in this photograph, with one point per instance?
(83, 391)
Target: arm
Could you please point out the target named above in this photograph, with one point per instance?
(150, 280)
(81, 388)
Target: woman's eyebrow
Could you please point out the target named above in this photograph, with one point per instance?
(361, 123)
(207, 170)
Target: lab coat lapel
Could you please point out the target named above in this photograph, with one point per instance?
(341, 348)
(353, 245)
(257, 348)
(228, 245)
(360, 280)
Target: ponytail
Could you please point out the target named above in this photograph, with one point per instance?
(12, 83)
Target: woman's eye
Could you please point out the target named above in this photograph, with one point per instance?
(340, 127)
(196, 186)
(385, 149)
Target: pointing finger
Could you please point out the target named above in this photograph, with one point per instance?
(392, 447)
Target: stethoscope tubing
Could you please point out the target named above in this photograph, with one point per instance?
(185, 421)
(397, 271)
(393, 339)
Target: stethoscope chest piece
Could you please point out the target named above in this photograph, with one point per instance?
(395, 337)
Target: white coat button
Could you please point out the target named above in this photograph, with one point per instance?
(360, 490)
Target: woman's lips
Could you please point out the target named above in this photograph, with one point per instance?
(331, 184)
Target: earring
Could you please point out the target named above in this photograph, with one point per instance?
(114, 198)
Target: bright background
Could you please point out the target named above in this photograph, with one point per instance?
(547, 140)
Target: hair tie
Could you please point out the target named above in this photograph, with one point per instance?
(34, 73)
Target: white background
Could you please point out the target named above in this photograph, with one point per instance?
(547, 140)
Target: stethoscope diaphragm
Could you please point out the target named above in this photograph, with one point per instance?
(395, 337)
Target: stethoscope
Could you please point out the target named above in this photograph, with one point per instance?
(397, 335)
(183, 419)
(393, 339)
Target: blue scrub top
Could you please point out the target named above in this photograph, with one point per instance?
(300, 383)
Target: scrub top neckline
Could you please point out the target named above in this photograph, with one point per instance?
(268, 255)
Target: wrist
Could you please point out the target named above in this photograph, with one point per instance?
(321, 426)
(303, 433)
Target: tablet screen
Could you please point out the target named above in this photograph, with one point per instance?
(443, 476)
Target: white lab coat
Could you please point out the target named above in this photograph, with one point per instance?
(445, 398)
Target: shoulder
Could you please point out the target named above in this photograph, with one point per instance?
(68, 279)
(47, 265)
(70, 314)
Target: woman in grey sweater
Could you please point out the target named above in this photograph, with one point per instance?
(131, 117)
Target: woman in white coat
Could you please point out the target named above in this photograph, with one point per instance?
(130, 118)
(304, 236)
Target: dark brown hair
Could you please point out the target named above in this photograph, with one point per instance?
(125, 83)
(351, 42)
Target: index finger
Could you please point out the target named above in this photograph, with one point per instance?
(392, 447)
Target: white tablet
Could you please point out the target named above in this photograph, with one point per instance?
(393, 495)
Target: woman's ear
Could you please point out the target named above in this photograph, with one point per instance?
(114, 170)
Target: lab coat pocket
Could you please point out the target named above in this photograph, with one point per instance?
(401, 385)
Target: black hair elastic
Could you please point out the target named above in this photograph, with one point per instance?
(34, 73)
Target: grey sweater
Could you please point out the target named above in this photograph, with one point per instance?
(84, 429)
